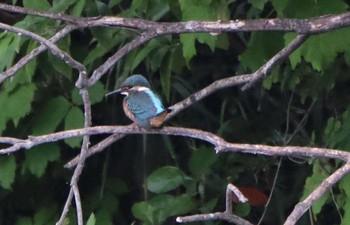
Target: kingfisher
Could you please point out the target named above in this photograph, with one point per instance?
(140, 103)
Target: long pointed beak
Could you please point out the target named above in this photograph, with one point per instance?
(113, 92)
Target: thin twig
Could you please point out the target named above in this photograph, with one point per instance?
(66, 208)
(78, 204)
(110, 62)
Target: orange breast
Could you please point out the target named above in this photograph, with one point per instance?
(128, 113)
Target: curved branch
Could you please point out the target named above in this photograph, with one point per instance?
(52, 47)
(326, 184)
(35, 52)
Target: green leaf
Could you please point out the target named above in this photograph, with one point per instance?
(188, 47)
(91, 220)
(143, 211)
(7, 171)
(346, 208)
(37, 158)
(337, 132)
(242, 210)
(259, 4)
(7, 51)
(97, 94)
(19, 103)
(143, 53)
(3, 119)
(103, 216)
(158, 209)
(165, 179)
(201, 160)
(58, 64)
(320, 50)
(280, 6)
(306, 9)
(344, 184)
(113, 3)
(179, 205)
(95, 53)
(61, 5)
(312, 183)
(46, 215)
(165, 74)
(74, 120)
(51, 115)
(261, 47)
(24, 221)
(200, 10)
(78, 8)
(35, 4)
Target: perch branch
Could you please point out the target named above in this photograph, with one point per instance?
(220, 144)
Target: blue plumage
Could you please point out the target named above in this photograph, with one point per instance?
(141, 104)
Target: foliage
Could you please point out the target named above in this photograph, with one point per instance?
(154, 181)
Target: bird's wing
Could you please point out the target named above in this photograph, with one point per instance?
(140, 104)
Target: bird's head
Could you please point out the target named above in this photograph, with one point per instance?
(135, 82)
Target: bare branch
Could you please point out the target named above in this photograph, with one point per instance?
(96, 148)
(303, 206)
(110, 62)
(46, 14)
(66, 208)
(78, 204)
(85, 146)
(52, 47)
(301, 26)
(285, 52)
(227, 215)
(35, 52)
(220, 144)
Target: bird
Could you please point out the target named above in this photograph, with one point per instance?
(140, 103)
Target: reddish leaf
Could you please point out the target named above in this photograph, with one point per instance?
(255, 196)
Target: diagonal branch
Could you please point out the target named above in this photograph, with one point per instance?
(276, 59)
(326, 184)
(110, 62)
(52, 47)
(35, 52)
